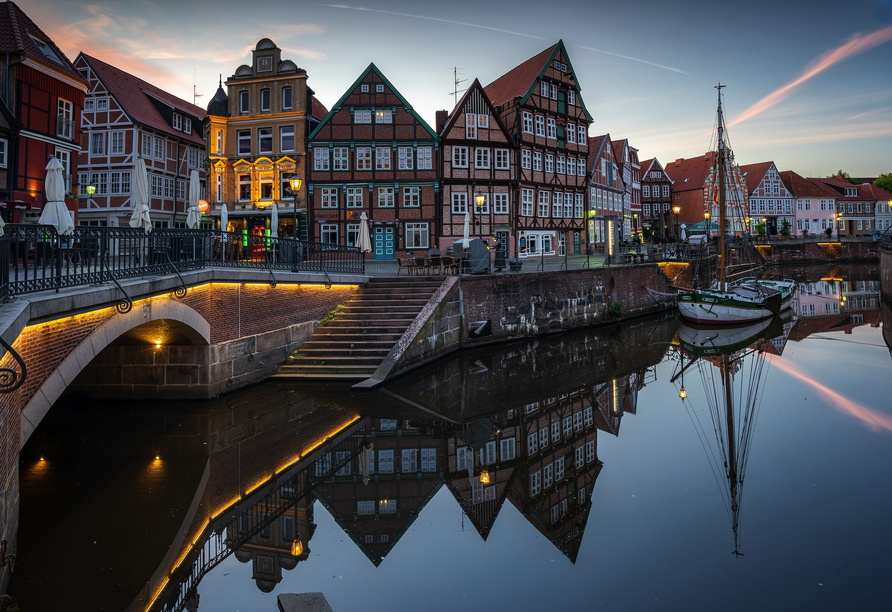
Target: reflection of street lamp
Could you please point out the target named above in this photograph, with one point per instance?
(838, 226)
(294, 182)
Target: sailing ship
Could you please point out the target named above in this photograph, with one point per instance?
(742, 300)
(724, 357)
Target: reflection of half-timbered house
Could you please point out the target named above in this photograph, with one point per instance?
(373, 153)
(606, 190)
(539, 102)
(656, 198)
(478, 159)
(125, 118)
(554, 487)
(405, 473)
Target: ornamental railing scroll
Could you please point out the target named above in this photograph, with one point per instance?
(37, 258)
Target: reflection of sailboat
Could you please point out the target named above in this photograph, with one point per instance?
(742, 300)
(730, 362)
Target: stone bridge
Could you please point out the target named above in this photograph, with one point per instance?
(229, 330)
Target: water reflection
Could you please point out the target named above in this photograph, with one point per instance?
(515, 427)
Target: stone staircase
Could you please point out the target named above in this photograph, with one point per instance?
(353, 345)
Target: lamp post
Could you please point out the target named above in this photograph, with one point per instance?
(479, 200)
(294, 182)
(765, 225)
(838, 226)
(708, 229)
(676, 210)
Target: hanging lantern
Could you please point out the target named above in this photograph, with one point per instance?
(297, 548)
(682, 393)
(203, 206)
(484, 477)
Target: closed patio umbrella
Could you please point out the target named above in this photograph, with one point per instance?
(364, 241)
(366, 462)
(55, 212)
(683, 236)
(193, 215)
(466, 232)
(140, 216)
(224, 219)
(274, 222)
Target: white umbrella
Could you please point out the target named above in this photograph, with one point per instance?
(224, 219)
(466, 233)
(140, 216)
(55, 212)
(364, 241)
(366, 462)
(683, 237)
(274, 223)
(193, 214)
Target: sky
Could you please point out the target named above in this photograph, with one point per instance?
(808, 82)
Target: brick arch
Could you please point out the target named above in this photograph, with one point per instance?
(194, 326)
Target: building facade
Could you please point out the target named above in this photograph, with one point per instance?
(539, 102)
(770, 201)
(256, 132)
(606, 193)
(814, 208)
(630, 168)
(44, 95)
(656, 199)
(855, 205)
(694, 189)
(126, 118)
(478, 159)
(373, 153)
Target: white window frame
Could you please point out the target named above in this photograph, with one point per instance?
(551, 131)
(363, 159)
(471, 126)
(459, 203)
(571, 133)
(362, 115)
(459, 157)
(417, 235)
(287, 104)
(386, 197)
(382, 158)
(329, 197)
(544, 203)
(540, 125)
(500, 203)
(354, 197)
(285, 130)
(425, 158)
(405, 158)
(502, 159)
(527, 122)
(244, 102)
(507, 449)
(526, 159)
(481, 158)
(117, 141)
(411, 197)
(97, 143)
(549, 163)
(320, 159)
(266, 100)
(527, 202)
(341, 161)
(384, 115)
(241, 137)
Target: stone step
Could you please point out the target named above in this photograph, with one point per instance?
(358, 351)
(377, 315)
(332, 375)
(394, 301)
(361, 343)
(347, 335)
(370, 326)
(347, 368)
(372, 307)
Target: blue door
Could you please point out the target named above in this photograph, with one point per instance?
(384, 242)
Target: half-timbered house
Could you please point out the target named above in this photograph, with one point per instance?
(771, 203)
(257, 132)
(856, 204)
(694, 192)
(44, 95)
(373, 153)
(478, 159)
(539, 102)
(606, 192)
(126, 118)
(627, 159)
(656, 199)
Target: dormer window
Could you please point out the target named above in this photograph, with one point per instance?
(187, 125)
(177, 121)
(47, 50)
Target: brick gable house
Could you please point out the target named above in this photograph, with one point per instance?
(539, 102)
(769, 197)
(656, 199)
(373, 153)
(606, 191)
(478, 159)
(125, 118)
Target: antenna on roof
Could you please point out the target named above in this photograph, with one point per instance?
(458, 81)
(195, 94)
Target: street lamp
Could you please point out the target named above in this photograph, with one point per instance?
(294, 182)
(676, 210)
(708, 229)
(480, 200)
(91, 189)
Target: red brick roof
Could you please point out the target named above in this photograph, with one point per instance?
(876, 193)
(800, 186)
(517, 81)
(133, 94)
(645, 166)
(842, 184)
(594, 147)
(689, 174)
(15, 27)
(753, 174)
(317, 109)
(618, 146)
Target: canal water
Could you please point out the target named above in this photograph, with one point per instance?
(647, 465)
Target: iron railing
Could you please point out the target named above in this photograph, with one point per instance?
(239, 526)
(36, 258)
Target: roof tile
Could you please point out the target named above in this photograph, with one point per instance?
(517, 81)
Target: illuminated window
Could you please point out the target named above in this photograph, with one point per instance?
(384, 116)
(363, 158)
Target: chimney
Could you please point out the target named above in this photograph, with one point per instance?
(679, 160)
(441, 118)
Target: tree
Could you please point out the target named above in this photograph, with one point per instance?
(760, 229)
(829, 231)
(884, 182)
(785, 228)
(842, 173)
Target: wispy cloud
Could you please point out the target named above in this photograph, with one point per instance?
(426, 18)
(859, 43)
(634, 59)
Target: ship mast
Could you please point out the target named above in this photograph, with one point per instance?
(723, 278)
